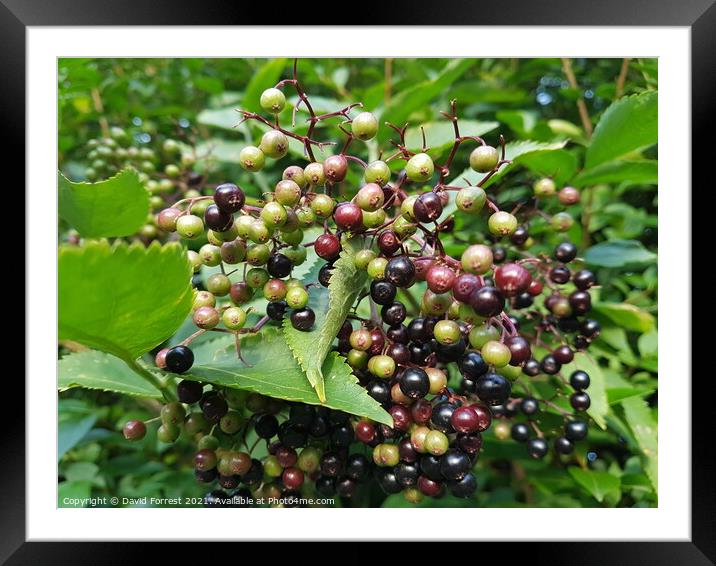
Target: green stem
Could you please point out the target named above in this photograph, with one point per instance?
(161, 386)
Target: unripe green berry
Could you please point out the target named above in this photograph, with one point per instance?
(172, 413)
(544, 187)
(196, 423)
(293, 238)
(420, 168)
(438, 380)
(481, 335)
(189, 226)
(377, 172)
(231, 422)
(476, 259)
(436, 443)
(374, 219)
(467, 314)
(361, 339)
(376, 268)
(168, 433)
(306, 216)
(562, 221)
(260, 232)
(357, 359)
(382, 366)
(417, 438)
(363, 258)
(272, 100)
(297, 254)
(208, 442)
(404, 227)
(386, 455)
(243, 225)
(233, 252)
(203, 299)
(364, 126)
(435, 305)
(471, 199)
(258, 254)
(322, 205)
(274, 290)
(315, 175)
(274, 144)
(287, 193)
(172, 171)
(447, 332)
(219, 284)
(296, 297)
(210, 255)
(273, 214)
(194, 260)
(309, 459)
(252, 159)
(257, 277)
(406, 207)
(295, 173)
(484, 158)
(496, 353)
(370, 197)
(234, 318)
(502, 223)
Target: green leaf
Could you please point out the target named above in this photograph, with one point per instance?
(440, 135)
(598, 484)
(644, 172)
(629, 124)
(115, 207)
(619, 253)
(72, 427)
(411, 99)
(559, 164)
(627, 316)
(96, 370)
(331, 308)
(643, 425)
(265, 77)
(523, 152)
(122, 299)
(597, 388)
(649, 344)
(274, 372)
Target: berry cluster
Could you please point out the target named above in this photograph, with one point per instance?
(444, 364)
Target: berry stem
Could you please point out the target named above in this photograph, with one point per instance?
(161, 386)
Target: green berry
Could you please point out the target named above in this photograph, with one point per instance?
(404, 227)
(502, 223)
(438, 380)
(386, 455)
(196, 423)
(233, 252)
(562, 221)
(471, 199)
(168, 433)
(382, 366)
(481, 335)
(272, 100)
(189, 226)
(420, 168)
(172, 171)
(363, 258)
(252, 159)
(258, 254)
(322, 205)
(544, 187)
(376, 268)
(194, 260)
(364, 126)
(172, 413)
(274, 144)
(219, 284)
(243, 225)
(406, 207)
(208, 442)
(260, 232)
(274, 214)
(370, 197)
(274, 290)
(435, 305)
(297, 297)
(210, 255)
(314, 174)
(297, 254)
(436, 443)
(234, 318)
(484, 158)
(374, 219)
(203, 299)
(292, 238)
(306, 216)
(309, 459)
(272, 468)
(287, 193)
(295, 173)
(357, 359)
(231, 422)
(496, 353)
(257, 277)
(476, 259)
(377, 172)
(361, 339)
(447, 332)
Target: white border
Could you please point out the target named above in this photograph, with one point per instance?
(672, 45)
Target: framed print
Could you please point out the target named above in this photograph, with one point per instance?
(425, 279)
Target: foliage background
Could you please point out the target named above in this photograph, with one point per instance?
(193, 100)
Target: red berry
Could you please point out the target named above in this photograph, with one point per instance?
(348, 217)
(327, 246)
(535, 287)
(484, 417)
(388, 242)
(464, 286)
(440, 278)
(292, 478)
(365, 431)
(512, 279)
(401, 417)
(335, 168)
(464, 419)
(421, 268)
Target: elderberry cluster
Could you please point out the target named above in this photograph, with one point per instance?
(486, 325)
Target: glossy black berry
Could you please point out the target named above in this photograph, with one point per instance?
(382, 292)
(580, 301)
(549, 365)
(229, 198)
(213, 406)
(472, 365)
(179, 359)
(531, 368)
(332, 464)
(292, 436)
(276, 311)
(255, 473)
(266, 426)
(342, 436)
(430, 466)
(487, 301)
(576, 430)
(520, 432)
(563, 445)
(529, 406)
(414, 383)
(398, 333)
(279, 266)
(380, 391)
(590, 328)
(419, 352)
(393, 313)
(428, 207)
(454, 464)
(303, 319)
(301, 415)
(537, 448)
(400, 271)
(447, 353)
(464, 487)
(189, 391)
(387, 481)
(406, 474)
(324, 274)
(580, 401)
(357, 467)
(565, 252)
(493, 389)
(559, 274)
(579, 380)
(216, 219)
(441, 418)
(326, 485)
(584, 279)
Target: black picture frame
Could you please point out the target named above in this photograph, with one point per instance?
(698, 15)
